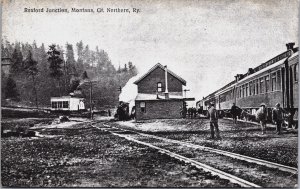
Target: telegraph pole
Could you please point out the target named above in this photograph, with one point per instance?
(91, 100)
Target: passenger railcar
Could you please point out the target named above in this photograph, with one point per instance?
(275, 81)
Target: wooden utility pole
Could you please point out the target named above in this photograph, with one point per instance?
(91, 99)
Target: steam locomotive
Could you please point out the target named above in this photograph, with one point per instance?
(275, 81)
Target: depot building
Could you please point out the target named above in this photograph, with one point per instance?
(160, 94)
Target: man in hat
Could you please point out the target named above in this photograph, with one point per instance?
(261, 116)
(277, 117)
(213, 117)
(234, 112)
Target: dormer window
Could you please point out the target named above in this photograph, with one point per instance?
(159, 87)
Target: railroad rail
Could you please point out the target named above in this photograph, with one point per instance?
(197, 164)
(289, 169)
(174, 148)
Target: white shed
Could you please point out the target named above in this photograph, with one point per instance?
(67, 103)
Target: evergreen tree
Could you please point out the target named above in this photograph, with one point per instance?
(86, 57)
(70, 71)
(4, 51)
(132, 69)
(11, 91)
(32, 70)
(84, 75)
(80, 54)
(125, 68)
(56, 62)
(17, 62)
(3, 86)
(74, 85)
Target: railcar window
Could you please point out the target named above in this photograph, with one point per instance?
(250, 88)
(291, 74)
(254, 87)
(267, 78)
(278, 80)
(296, 72)
(243, 91)
(273, 81)
(261, 86)
(159, 87)
(257, 85)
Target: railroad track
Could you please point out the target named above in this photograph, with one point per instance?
(242, 170)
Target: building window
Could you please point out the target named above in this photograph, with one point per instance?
(65, 104)
(267, 78)
(273, 81)
(54, 104)
(159, 87)
(247, 88)
(143, 107)
(59, 104)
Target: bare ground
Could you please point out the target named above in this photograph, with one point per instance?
(79, 155)
(242, 138)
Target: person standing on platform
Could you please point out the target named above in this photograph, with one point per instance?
(261, 116)
(277, 117)
(234, 112)
(213, 117)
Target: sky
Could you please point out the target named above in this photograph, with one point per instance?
(206, 42)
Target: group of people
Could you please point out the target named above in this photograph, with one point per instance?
(277, 117)
(189, 112)
(261, 116)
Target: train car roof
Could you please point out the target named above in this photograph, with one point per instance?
(226, 89)
(266, 68)
(233, 83)
(294, 54)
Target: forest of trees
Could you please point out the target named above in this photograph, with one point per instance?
(37, 73)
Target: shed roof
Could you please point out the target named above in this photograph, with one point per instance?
(158, 65)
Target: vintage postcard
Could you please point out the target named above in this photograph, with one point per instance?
(152, 93)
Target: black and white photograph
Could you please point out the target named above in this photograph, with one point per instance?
(149, 94)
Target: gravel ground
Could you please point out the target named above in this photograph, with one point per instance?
(11, 123)
(242, 138)
(82, 156)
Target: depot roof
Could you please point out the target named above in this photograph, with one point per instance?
(158, 65)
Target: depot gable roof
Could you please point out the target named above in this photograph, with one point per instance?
(158, 65)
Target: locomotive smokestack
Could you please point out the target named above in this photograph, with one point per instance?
(166, 80)
(290, 46)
